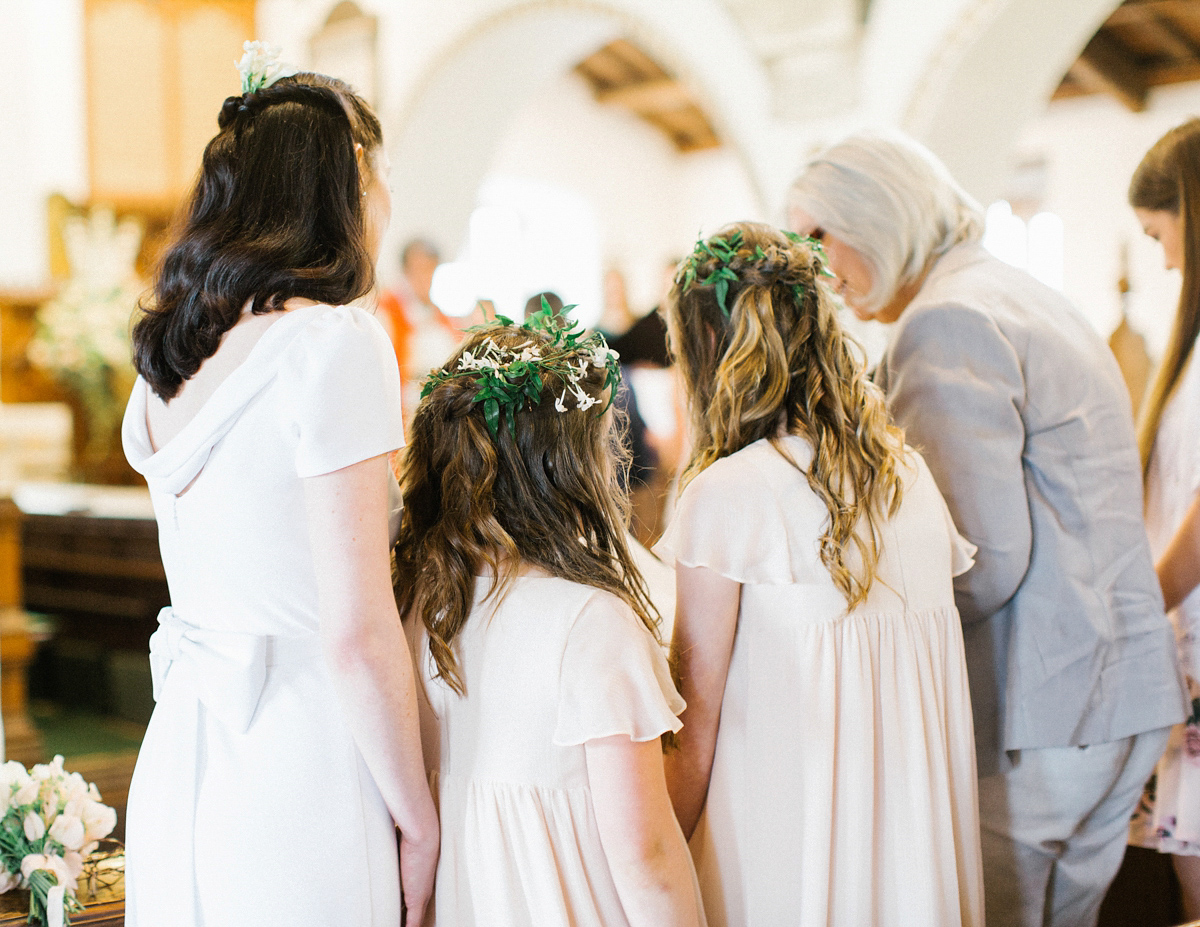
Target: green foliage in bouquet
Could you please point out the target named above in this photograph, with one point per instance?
(51, 821)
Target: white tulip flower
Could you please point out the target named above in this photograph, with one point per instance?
(51, 863)
(27, 793)
(68, 830)
(98, 821)
(35, 827)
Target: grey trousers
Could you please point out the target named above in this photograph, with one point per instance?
(1054, 829)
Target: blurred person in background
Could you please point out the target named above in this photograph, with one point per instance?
(422, 335)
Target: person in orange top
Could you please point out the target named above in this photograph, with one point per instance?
(422, 335)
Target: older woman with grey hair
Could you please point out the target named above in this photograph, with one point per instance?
(1020, 411)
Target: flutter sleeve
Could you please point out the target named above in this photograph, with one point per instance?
(962, 551)
(614, 678)
(347, 396)
(923, 486)
(747, 525)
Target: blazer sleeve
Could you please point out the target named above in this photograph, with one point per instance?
(956, 386)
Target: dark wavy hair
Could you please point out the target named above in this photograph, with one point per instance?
(276, 212)
(778, 360)
(1168, 179)
(546, 494)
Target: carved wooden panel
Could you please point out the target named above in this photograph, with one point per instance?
(157, 71)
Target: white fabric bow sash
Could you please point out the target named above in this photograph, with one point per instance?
(229, 667)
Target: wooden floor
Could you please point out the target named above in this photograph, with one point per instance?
(1144, 894)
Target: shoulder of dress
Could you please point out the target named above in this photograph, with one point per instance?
(753, 467)
(323, 328)
(347, 314)
(592, 603)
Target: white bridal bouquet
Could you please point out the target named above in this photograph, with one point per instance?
(52, 820)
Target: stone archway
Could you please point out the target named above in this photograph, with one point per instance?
(456, 113)
(996, 69)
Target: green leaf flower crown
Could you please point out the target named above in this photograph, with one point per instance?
(722, 252)
(510, 379)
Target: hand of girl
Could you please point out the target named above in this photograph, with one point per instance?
(418, 866)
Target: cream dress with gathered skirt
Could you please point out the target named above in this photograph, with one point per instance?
(553, 665)
(843, 789)
(250, 805)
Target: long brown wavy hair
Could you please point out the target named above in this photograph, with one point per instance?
(1168, 178)
(545, 494)
(779, 361)
(276, 212)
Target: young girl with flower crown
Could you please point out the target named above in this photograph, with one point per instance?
(826, 770)
(545, 689)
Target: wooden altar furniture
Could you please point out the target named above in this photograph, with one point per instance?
(21, 739)
(20, 381)
(91, 559)
(101, 892)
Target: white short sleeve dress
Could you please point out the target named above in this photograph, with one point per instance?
(554, 665)
(843, 787)
(250, 805)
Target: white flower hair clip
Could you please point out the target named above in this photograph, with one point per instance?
(261, 66)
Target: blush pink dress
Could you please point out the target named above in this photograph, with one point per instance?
(843, 786)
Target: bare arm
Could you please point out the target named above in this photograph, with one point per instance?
(1179, 567)
(365, 647)
(706, 615)
(646, 853)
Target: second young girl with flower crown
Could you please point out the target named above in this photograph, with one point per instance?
(826, 770)
(545, 689)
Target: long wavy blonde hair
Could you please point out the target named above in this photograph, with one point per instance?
(545, 493)
(778, 361)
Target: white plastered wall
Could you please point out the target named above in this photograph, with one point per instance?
(1090, 147)
(649, 201)
(996, 66)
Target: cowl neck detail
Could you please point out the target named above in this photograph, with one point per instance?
(174, 465)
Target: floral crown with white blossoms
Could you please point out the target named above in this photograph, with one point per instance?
(510, 379)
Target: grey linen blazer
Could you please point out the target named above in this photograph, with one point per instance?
(1019, 408)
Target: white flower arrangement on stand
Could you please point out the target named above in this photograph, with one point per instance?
(82, 335)
(51, 821)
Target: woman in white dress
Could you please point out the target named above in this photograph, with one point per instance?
(545, 687)
(1165, 195)
(826, 769)
(284, 748)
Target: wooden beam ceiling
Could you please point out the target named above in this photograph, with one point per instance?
(1107, 66)
(1143, 44)
(621, 74)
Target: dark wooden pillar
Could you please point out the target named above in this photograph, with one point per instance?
(22, 742)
